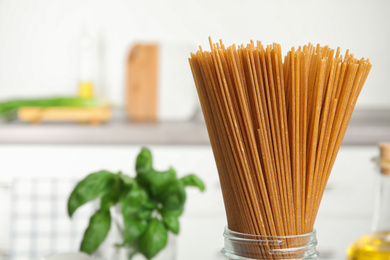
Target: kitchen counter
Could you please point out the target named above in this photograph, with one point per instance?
(367, 127)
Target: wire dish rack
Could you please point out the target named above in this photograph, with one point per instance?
(38, 224)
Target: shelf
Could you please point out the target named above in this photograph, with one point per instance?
(111, 133)
(367, 127)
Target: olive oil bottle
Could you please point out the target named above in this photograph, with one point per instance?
(376, 245)
(87, 64)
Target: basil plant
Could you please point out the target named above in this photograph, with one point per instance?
(151, 204)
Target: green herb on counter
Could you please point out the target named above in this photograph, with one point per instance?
(150, 204)
(8, 109)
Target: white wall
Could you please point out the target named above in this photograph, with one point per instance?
(39, 39)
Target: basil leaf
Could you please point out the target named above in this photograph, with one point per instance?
(156, 182)
(133, 201)
(144, 161)
(153, 239)
(112, 197)
(133, 229)
(171, 221)
(145, 212)
(173, 212)
(127, 180)
(174, 196)
(91, 187)
(99, 225)
(193, 180)
(134, 212)
(171, 218)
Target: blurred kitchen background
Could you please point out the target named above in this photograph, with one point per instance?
(133, 55)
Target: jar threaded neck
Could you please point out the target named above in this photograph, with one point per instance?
(240, 246)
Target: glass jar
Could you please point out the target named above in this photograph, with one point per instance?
(240, 246)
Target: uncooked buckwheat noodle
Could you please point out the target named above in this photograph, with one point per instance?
(275, 128)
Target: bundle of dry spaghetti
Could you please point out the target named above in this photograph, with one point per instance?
(275, 128)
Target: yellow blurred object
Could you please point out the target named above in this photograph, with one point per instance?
(86, 90)
(91, 115)
(376, 245)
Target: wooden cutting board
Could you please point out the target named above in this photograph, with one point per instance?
(142, 82)
(93, 115)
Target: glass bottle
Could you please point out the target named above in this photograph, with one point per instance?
(376, 245)
(86, 64)
(239, 246)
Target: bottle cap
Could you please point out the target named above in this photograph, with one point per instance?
(384, 158)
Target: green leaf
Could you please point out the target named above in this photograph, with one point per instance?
(136, 210)
(150, 205)
(153, 239)
(171, 218)
(144, 161)
(174, 196)
(173, 212)
(99, 225)
(133, 229)
(127, 180)
(135, 204)
(91, 187)
(108, 200)
(155, 181)
(112, 196)
(145, 212)
(11, 106)
(193, 180)
(171, 221)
